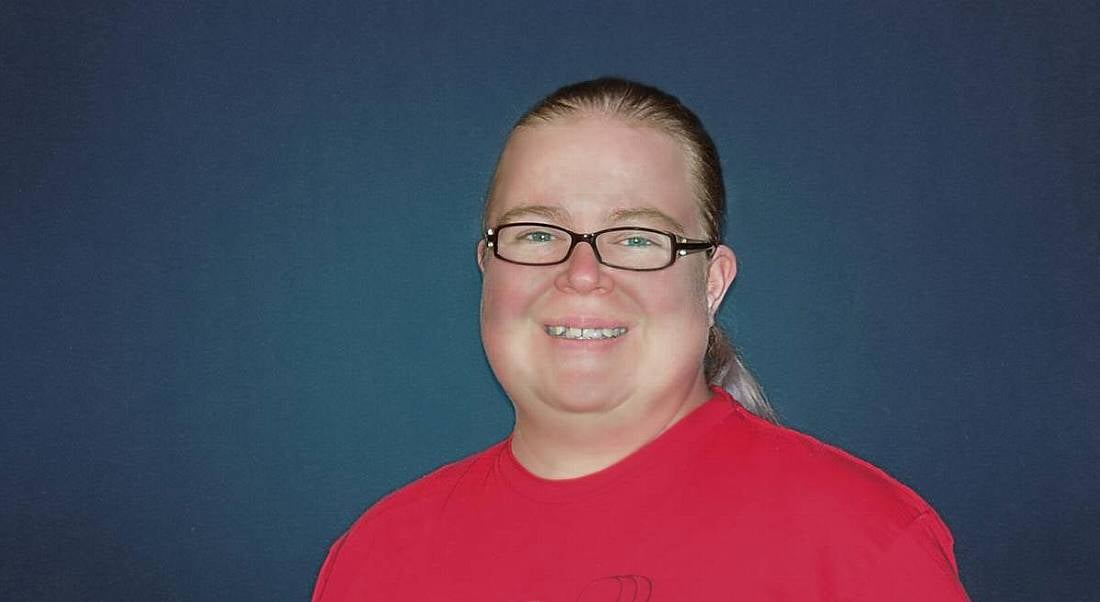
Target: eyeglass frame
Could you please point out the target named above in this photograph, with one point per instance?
(681, 246)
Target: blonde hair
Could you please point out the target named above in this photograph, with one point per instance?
(650, 106)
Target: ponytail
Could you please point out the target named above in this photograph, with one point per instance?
(724, 367)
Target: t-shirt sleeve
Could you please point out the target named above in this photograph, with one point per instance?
(326, 570)
(918, 565)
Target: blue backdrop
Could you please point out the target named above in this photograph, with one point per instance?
(238, 297)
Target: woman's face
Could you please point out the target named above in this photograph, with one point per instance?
(586, 174)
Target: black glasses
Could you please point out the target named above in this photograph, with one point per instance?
(625, 248)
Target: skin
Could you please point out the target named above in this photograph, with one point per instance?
(583, 405)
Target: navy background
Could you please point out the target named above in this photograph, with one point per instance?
(238, 297)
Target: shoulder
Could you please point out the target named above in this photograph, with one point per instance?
(808, 478)
(403, 517)
(427, 495)
(840, 511)
(390, 536)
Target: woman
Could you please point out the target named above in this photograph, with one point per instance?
(630, 475)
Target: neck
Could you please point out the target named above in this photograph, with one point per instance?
(557, 444)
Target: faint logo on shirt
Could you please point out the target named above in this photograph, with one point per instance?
(621, 588)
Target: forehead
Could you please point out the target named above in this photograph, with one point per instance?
(592, 168)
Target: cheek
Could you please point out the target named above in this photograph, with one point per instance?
(680, 297)
(507, 302)
(676, 309)
(504, 297)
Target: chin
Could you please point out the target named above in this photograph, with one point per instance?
(581, 398)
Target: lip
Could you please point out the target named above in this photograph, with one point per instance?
(585, 322)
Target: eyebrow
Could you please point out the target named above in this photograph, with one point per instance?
(647, 213)
(554, 213)
(619, 216)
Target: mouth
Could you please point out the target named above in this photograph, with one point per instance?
(584, 334)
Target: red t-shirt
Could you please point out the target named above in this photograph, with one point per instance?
(721, 506)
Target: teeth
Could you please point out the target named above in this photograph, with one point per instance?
(584, 334)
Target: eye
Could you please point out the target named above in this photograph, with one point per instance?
(637, 241)
(640, 240)
(536, 236)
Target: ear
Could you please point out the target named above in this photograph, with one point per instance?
(481, 249)
(720, 274)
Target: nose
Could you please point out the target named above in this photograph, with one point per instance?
(583, 273)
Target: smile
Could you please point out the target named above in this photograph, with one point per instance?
(584, 334)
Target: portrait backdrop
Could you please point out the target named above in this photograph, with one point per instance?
(239, 301)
